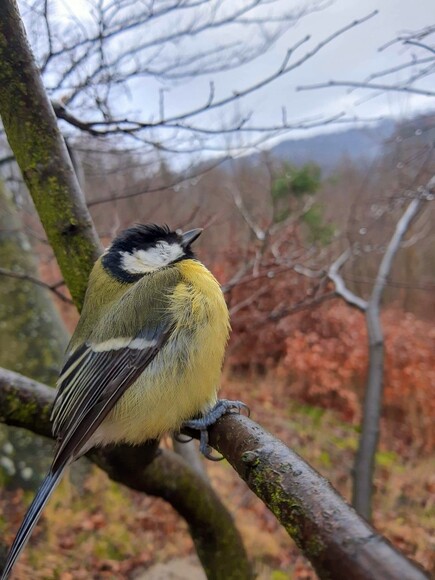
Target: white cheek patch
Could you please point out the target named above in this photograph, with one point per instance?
(123, 342)
(144, 261)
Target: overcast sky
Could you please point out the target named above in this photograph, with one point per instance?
(351, 57)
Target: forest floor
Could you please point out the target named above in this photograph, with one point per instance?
(104, 531)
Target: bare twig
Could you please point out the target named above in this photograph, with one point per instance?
(365, 460)
(340, 287)
(91, 67)
(52, 287)
(368, 85)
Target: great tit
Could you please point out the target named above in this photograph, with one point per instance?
(145, 358)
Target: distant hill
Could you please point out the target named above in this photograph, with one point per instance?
(361, 145)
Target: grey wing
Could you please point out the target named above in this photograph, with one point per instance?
(92, 380)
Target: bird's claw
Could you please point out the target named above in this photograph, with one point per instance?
(180, 438)
(222, 407)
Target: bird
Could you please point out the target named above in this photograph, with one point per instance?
(145, 357)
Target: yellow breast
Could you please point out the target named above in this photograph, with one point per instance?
(183, 379)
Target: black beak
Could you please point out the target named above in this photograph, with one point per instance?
(189, 237)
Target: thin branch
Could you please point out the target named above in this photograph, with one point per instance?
(372, 86)
(394, 244)
(249, 300)
(301, 306)
(420, 45)
(340, 287)
(7, 159)
(238, 201)
(52, 287)
(400, 67)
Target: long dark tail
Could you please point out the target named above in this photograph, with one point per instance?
(31, 518)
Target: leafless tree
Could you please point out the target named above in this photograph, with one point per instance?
(416, 69)
(365, 459)
(343, 544)
(94, 61)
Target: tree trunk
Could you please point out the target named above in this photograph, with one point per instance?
(364, 468)
(31, 128)
(368, 443)
(32, 341)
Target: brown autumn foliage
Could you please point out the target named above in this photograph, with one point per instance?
(326, 363)
(302, 371)
(319, 352)
(118, 532)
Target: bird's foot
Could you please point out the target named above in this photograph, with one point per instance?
(222, 407)
(181, 438)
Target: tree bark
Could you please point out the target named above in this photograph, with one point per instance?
(31, 128)
(339, 544)
(365, 461)
(32, 341)
(26, 403)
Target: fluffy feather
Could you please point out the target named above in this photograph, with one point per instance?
(145, 357)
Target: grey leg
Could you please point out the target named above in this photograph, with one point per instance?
(222, 407)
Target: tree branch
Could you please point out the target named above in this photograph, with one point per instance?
(368, 85)
(338, 543)
(31, 128)
(23, 276)
(340, 286)
(334, 538)
(26, 403)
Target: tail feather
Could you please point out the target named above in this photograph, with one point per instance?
(31, 518)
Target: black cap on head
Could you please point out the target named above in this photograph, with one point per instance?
(143, 236)
(144, 248)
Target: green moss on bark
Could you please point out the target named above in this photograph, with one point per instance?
(32, 342)
(40, 151)
(32, 335)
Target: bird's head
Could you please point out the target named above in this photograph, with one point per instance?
(143, 249)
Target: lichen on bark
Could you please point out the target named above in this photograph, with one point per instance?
(31, 128)
(32, 341)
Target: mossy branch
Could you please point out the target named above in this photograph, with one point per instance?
(27, 403)
(217, 542)
(39, 148)
(338, 543)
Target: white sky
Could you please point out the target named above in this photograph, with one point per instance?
(352, 56)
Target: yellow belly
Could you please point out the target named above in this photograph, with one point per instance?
(183, 379)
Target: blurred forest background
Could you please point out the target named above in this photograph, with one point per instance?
(276, 219)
